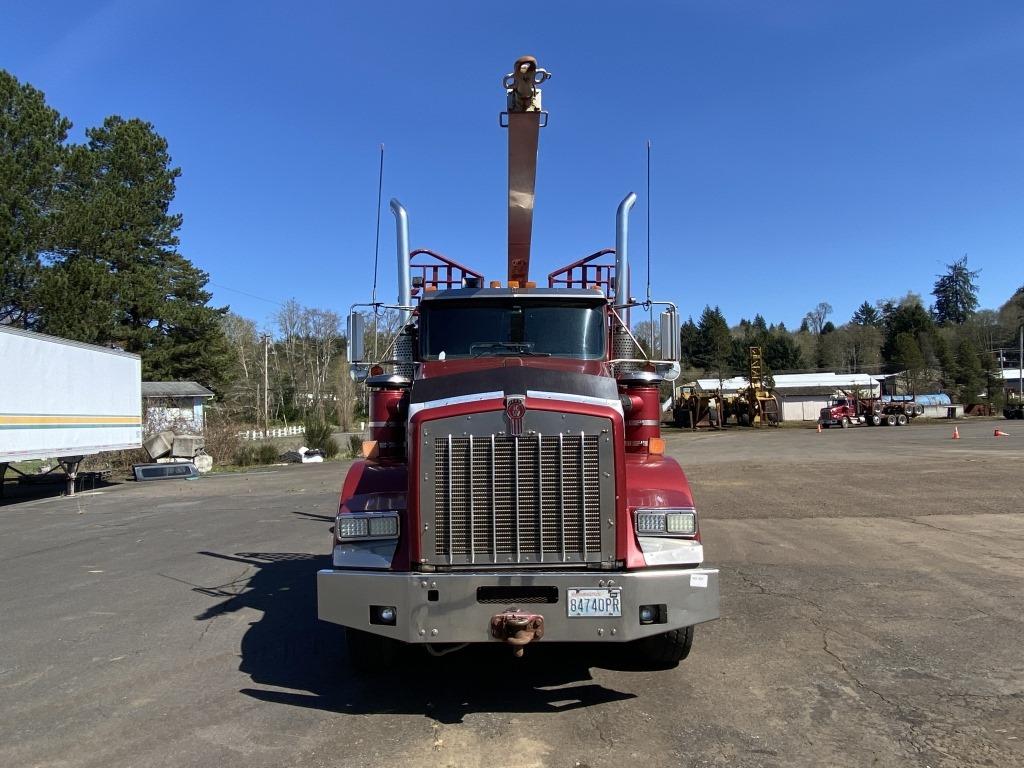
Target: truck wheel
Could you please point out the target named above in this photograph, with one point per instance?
(902, 419)
(875, 420)
(370, 653)
(666, 648)
(890, 420)
(846, 422)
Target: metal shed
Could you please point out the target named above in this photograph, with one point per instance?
(803, 403)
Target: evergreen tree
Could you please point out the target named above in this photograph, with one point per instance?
(781, 353)
(31, 157)
(944, 356)
(956, 294)
(688, 334)
(908, 357)
(908, 317)
(1011, 314)
(117, 254)
(866, 315)
(713, 343)
(970, 374)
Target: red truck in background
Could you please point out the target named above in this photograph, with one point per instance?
(874, 411)
(515, 484)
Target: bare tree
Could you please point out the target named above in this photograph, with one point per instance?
(816, 317)
(322, 332)
(244, 399)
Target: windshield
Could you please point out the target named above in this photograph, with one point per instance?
(487, 329)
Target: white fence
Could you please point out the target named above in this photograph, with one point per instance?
(261, 434)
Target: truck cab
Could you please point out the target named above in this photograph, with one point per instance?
(517, 489)
(841, 411)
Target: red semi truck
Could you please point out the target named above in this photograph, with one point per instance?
(873, 411)
(515, 485)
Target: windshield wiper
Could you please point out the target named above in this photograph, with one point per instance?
(500, 348)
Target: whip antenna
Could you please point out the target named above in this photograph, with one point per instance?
(650, 307)
(376, 249)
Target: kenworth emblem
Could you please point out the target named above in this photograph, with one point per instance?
(515, 409)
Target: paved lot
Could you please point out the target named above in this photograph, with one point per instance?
(872, 615)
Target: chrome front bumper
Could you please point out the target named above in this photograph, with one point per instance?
(443, 607)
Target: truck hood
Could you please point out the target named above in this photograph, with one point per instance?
(576, 379)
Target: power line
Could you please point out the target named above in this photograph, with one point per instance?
(245, 293)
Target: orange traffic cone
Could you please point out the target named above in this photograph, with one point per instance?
(1000, 433)
(956, 433)
(819, 427)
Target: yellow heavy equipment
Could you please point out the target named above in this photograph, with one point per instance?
(757, 405)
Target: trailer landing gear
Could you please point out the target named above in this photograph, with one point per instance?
(70, 466)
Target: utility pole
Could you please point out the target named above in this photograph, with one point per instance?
(266, 380)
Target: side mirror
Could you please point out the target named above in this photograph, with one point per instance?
(355, 328)
(669, 335)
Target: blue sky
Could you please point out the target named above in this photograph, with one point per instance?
(803, 151)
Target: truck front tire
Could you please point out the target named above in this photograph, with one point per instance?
(668, 648)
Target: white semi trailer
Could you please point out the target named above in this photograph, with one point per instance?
(65, 400)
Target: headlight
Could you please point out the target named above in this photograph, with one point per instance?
(369, 525)
(665, 522)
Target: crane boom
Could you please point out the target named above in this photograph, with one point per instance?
(525, 119)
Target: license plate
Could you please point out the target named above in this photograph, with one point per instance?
(583, 603)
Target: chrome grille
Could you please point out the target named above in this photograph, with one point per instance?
(541, 498)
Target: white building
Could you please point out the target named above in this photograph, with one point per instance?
(174, 403)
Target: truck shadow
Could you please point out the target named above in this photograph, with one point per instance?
(288, 647)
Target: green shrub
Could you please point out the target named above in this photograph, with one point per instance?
(330, 448)
(267, 453)
(245, 456)
(318, 436)
(249, 454)
(355, 446)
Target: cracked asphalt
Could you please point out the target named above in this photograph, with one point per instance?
(872, 614)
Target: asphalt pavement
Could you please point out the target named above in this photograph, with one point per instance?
(872, 609)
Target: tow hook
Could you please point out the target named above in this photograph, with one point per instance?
(517, 629)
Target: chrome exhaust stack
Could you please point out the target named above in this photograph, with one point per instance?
(624, 347)
(622, 248)
(404, 270)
